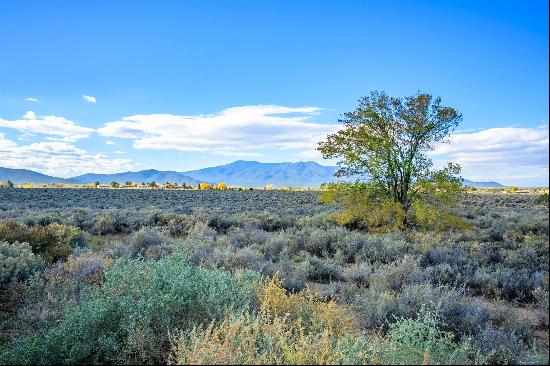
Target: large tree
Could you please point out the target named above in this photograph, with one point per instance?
(386, 140)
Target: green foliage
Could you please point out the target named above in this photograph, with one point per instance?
(52, 242)
(419, 341)
(17, 262)
(363, 207)
(366, 207)
(132, 316)
(386, 139)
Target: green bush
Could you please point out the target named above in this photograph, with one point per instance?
(17, 262)
(52, 242)
(420, 341)
(132, 316)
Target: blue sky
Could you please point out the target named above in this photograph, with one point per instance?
(182, 85)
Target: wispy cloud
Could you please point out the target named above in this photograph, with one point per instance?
(236, 130)
(508, 153)
(89, 98)
(57, 158)
(30, 99)
(109, 142)
(59, 127)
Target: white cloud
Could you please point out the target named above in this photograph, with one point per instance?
(236, 130)
(29, 115)
(510, 154)
(60, 127)
(30, 99)
(109, 143)
(57, 158)
(89, 98)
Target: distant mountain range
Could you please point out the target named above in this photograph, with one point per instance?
(143, 176)
(19, 176)
(254, 174)
(471, 183)
(238, 173)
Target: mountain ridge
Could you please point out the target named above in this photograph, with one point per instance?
(253, 173)
(20, 176)
(240, 172)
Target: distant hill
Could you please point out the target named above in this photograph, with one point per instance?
(482, 184)
(255, 174)
(19, 176)
(238, 173)
(144, 176)
(302, 174)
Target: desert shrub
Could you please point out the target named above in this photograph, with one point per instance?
(384, 277)
(350, 244)
(55, 241)
(201, 232)
(331, 291)
(419, 341)
(309, 308)
(87, 267)
(359, 274)
(270, 222)
(385, 248)
(320, 242)
(294, 241)
(247, 236)
(444, 274)
(322, 270)
(256, 339)
(52, 242)
(199, 245)
(289, 328)
(110, 222)
(221, 223)
(394, 276)
(145, 242)
(494, 346)
(17, 262)
(43, 219)
(541, 300)
(376, 309)
(243, 258)
(460, 315)
(291, 279)
(506, 283)
(43, 298)
(130, 318)
(178, 225)
(542, 199)
(12, 231)
(80, 218)
(270, 338)
(278, 243)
